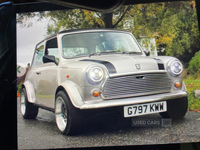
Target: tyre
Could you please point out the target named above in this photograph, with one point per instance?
(28, 110)
(176, 108)
(69, 119)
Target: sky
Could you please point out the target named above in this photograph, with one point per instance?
(27, 38)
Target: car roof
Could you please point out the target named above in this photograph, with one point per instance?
(91, 30)
(82, 30)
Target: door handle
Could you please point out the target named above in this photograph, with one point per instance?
(38, 73)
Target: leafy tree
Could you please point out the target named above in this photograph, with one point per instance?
(76, 19)
(173, 24)
(19, 88)
(194, 64)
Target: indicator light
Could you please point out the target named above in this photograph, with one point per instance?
(177, 84)
(96, 93)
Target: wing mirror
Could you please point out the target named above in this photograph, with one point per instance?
(147, 52)
(49, 58)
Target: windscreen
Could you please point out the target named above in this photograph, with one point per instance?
(96, 42)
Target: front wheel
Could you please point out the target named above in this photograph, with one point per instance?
(176, 108)
(68, 118)
(28, 110)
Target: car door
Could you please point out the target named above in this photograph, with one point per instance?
(33, 73)
(47, 79)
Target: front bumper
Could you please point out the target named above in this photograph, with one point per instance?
(133, 100)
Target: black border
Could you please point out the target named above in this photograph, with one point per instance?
(8, 99)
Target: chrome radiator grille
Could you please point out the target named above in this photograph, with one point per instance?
(136, 85)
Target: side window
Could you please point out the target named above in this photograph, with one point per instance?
(54, 52)
(52, 48)
(37, 60)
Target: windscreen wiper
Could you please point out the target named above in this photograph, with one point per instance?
(93, 54)
(131, 52)
(106, 51)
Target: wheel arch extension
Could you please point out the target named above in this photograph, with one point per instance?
(184, 88)
(30, 91)
(72, 93)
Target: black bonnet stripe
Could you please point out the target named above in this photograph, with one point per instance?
(108, 65)
(160, 64)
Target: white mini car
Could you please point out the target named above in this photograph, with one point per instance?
(79, 70)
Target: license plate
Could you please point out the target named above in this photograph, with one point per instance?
(144, 109)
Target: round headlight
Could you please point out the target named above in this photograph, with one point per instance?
(175, 67)
(95, 74)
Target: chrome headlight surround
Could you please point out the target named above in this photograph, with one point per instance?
(95, 74)
(174, 67)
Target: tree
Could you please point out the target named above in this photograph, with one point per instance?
(173, 24)
(194, 65)
(76, 19)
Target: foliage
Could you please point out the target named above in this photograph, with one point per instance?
(19, 88)
(26, 19)
(193, 103)
(194, 65)
(173, 24)
(192, 85)
(148, 44)
(76, 19)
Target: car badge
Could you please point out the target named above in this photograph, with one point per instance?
(137, 66)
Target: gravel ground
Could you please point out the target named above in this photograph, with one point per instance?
(105, 130)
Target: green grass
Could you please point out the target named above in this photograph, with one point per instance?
(192, 85)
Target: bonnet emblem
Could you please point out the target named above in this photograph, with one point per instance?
(137, 66)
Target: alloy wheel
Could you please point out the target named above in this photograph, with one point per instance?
(61, 114)
(22, 103)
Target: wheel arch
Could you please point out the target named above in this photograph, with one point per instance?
(72, 93)
(30, 91)
(184, 88)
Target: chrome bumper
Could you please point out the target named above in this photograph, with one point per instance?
(133, 100)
